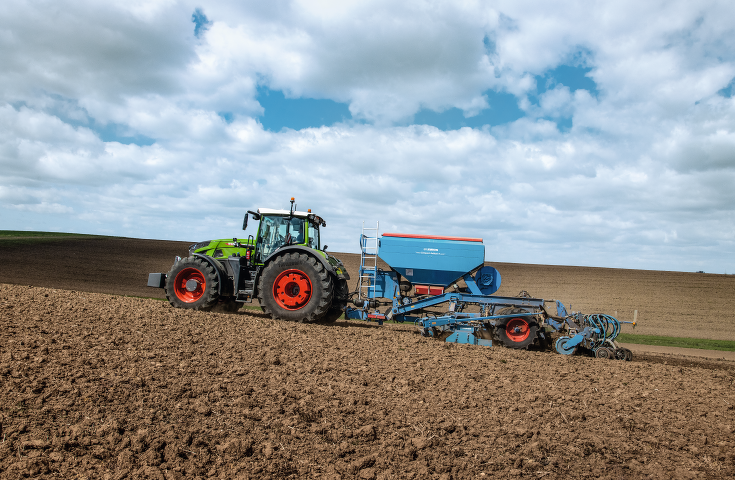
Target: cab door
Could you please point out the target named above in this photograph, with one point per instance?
(271, 235)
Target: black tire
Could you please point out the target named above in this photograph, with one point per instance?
(332, 315)
(192, 283)
(295, 287)
(339, 302)
(229, 306)
(517, 332)
(604, 352)
(546, 343)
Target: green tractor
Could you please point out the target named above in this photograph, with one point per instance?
(283, 266)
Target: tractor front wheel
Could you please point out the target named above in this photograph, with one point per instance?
(295, 287)
(192, 283)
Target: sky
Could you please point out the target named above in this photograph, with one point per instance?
(561, 132)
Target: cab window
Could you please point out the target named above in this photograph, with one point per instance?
(273, 232)
(272, 236)
(298, 236)
(313, 236)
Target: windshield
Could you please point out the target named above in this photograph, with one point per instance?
(273, 231)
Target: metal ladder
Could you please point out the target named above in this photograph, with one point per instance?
(369, 244)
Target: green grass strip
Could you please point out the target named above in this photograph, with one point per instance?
(703, 344)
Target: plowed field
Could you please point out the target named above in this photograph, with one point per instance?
(94, 385)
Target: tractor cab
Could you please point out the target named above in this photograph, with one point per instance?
(278, 228)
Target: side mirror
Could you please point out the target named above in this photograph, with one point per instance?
(245, 222)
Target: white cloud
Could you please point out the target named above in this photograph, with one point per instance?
(642, 179)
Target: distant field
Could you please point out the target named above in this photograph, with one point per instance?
(669, 304)
(17, 237)
(26, 234)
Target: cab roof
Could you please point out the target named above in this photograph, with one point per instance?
(305, 215)
(273, 211)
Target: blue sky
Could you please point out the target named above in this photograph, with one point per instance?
(559, 133)
(280, 111)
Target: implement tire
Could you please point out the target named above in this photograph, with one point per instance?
(295, 287)
(517, 332)
(192, 283)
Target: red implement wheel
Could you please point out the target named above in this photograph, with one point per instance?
(192, 283)
(295, 286)
(517, 332)
(292, 289)
(517, 329)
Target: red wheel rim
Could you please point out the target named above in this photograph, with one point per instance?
(517, 329)
(189, 285)
(292, 289)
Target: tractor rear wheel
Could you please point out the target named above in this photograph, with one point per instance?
(339, 302)
(517, 332)
(228, 306)
(295, 287)
(192, 283)
(332, 315)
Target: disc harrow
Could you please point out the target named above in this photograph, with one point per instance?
(593, 334)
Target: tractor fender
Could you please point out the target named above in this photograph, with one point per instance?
(221, 273)
(308, 251)
(298, 248)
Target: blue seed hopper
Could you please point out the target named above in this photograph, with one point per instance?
(428, 260)
(443, 285)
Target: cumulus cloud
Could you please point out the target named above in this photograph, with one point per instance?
(143, 119)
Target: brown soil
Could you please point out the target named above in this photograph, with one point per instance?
(101, 386)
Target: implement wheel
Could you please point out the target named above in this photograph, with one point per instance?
(295, 287)
(192, 283)
(517, 332)
(561, 346)
(604, 352)
(624, 354)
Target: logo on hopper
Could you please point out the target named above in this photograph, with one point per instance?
(430, 251)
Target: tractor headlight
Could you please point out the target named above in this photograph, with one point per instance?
(197, 246)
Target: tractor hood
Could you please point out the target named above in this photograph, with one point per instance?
(221, 248)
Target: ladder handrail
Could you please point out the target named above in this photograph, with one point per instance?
(369, 246)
